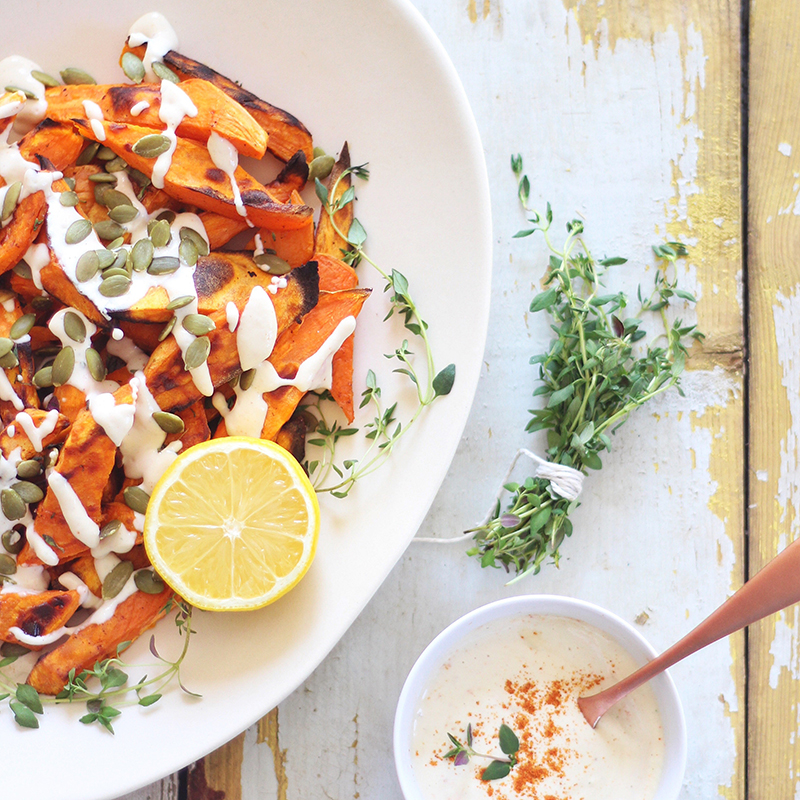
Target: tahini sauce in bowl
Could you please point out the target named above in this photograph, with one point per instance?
(524, 662)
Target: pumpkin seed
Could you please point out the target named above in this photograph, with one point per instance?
(105, 154)
(246, 379)
(111, 271)
(106, 257)
(163, 265)
(102, 177)
(115, 286)
(169, 423)
(42, 303)
(318, 151)
(198, 324)
(22, 327)
(148, 581)
(108, 229)
(140, 179)
(29, 492)
(69, 199)
(9, 360)
(136, 498)
(43, 378)
(12, 504)
(152, 145)
(8, 566)
(13, 542)
(95, 365)
(78, 231)
(320, 168)
(43, 77)
(167, 214)
(120, 260)
(162, 71)
(13, 650)
(29, 95)
(5, 345)
(272, 263)
(28, 469)
(197, 352)
(123, 214)
(116, 165)
(74, 76)
(23, 270)
(142, 254)
(180, 302)
(100, 192)
(159, 232)
(70, 182)
(116, 579)
(10, 200)
(167, 329)
(201, 245)
(188, 252)
(87, 266)
(111, 198)
(110, 528)
(133, 67)
(63, 365)
(88, 153)
(74, 327)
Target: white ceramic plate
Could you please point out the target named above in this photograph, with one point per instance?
(374, 74)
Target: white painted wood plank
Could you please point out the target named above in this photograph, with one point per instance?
(161, 790)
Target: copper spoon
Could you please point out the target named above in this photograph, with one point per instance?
(775, 587)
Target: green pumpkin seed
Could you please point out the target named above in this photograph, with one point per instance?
(188, 252)
(116, 165)
(317, 152)
(95, 365)
(163, 265)
(273, 264)
(114, 244)
(63, 365)
(115, 286)
(148, 581)
(87, 266)
(110, 528)
(28, 469)
(78, 231)
(142, 254)
(42, 303)
(9, 361)
(74, 76)
(43, 77)
(197, 352)
(180, 302)
(169, 423)
(102, 177)
(22, 327)
(246, 379)
(168, 214)
(13, 542)
(108, 229)
(136, 498)
(123, 214)
(43, 378)
(159, 232)
(162, 71)
(110, 197)
(116, 579)
(152, 145)
(105, 154)
(10, 200)
(111, 271)
(190, 234)
(120, 260)
(198, 324)
(74, 327)
(13, 650)
(140, 179)
(105, 257)
(6, 345)
(320, 168)
(29, 492)
(167, 329)
(88, 153)
(69, 199)
(8, 566)
(29, 95)
(12, 504)
(23, 270)
(133, 67)
(70, 182)
(100, 192)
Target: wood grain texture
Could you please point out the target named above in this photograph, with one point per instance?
(774, 281)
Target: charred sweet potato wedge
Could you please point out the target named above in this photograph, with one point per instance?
(35, 614)
(328, 239)
(19, 439)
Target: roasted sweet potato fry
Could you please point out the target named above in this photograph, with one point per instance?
(35, 614)
(50, 425)
(327, 239)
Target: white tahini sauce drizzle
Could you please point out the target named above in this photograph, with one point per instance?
(95, 116)
(258, 329)
(225, 157)
(175, 105)
(82, 526)
(16, 71)
(37, 257)
(115, 419)
(34, 434)
(126, 349)
(137, 108)
(231, 316)
(153, 30)
(7, 392)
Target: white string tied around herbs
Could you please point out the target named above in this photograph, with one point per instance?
(566, 482)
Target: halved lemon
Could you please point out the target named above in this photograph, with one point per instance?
(232, 525)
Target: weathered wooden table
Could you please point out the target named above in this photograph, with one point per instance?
(653, 120)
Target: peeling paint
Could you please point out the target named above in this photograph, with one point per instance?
(269, 734)
(784, 648)
(785, 149)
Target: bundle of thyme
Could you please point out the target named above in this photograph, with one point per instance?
(592, 377)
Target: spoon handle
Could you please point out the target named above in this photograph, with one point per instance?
(775, 587)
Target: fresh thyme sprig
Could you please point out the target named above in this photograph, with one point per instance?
(592, 377)
(385, 430)
(104, 688)
(499, 767)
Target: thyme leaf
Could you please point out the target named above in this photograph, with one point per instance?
(500, 766)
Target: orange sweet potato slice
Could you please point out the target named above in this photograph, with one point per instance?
(9, 443)
(328, 239)
(221, 229)
(216, 111)
(35, 614)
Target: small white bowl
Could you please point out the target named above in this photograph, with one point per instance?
(437, 652)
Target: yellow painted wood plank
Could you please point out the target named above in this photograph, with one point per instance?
(774, 279)
(218, 776)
